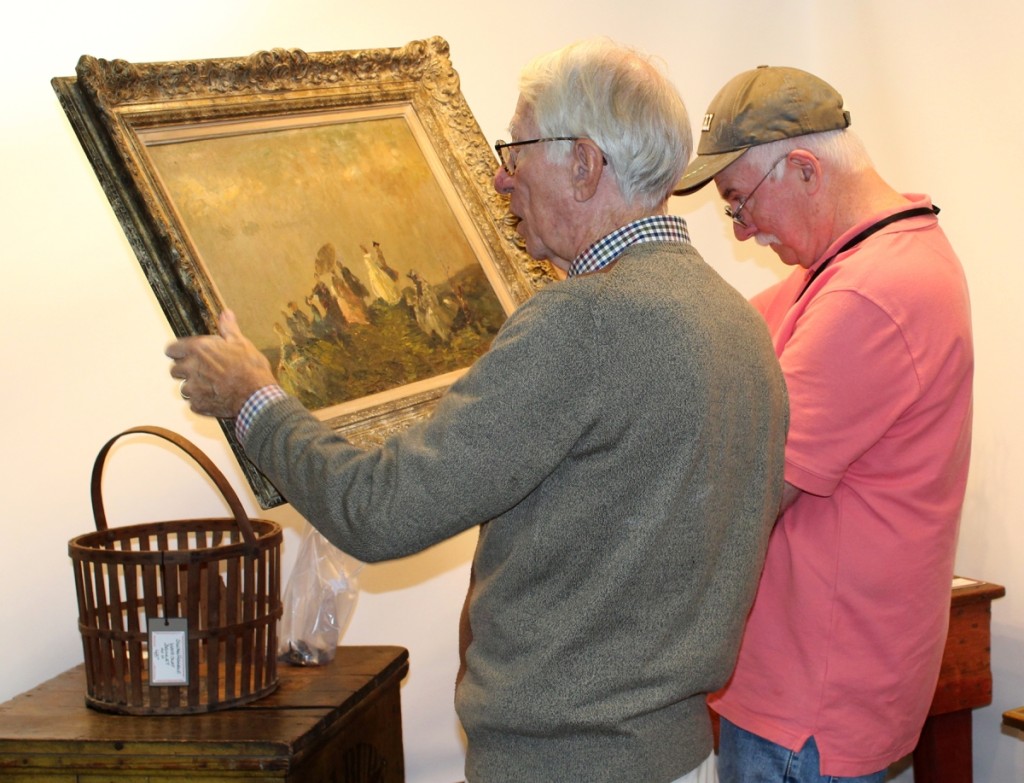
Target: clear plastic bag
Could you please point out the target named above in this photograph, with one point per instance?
(318, 601)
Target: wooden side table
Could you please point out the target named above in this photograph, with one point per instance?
(944, 754)
(1014, 719)
(339, 723)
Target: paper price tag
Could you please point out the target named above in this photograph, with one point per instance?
(168, 650)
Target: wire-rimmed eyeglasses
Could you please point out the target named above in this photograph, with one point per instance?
(735, 216)
(508, 156)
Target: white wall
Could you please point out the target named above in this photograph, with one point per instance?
(933, 88)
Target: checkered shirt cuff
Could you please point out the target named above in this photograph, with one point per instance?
(252, 408)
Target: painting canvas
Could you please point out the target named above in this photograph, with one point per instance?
(339, 203)
(368, 280)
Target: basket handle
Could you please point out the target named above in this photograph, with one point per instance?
(193, 451)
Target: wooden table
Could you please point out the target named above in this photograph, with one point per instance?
(1014, 719)
(944, 752)
(336, 723)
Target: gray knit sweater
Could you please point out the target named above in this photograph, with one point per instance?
(623, 441)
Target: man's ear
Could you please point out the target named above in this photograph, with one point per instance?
(588, 164)
(808, 168)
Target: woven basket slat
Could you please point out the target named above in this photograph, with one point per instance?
(135, 629)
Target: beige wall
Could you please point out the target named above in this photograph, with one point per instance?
(933, 88)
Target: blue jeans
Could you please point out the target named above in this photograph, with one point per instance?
(747, 758)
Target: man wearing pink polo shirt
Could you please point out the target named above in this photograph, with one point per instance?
(842, 649)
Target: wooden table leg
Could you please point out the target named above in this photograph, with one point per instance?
(943, 754)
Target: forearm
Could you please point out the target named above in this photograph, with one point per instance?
(345, 492)
(416, 490)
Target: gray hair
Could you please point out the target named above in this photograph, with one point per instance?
(842, 149)
(616, 97)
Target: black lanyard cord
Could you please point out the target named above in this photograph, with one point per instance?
(854, 241)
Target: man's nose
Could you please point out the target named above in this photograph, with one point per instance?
(743, 233)
(503, 181)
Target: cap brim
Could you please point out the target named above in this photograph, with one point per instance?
(703, 169)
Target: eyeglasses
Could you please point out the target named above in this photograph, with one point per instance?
(508, 156)
(735, 216)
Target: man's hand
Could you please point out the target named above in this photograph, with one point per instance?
(219, 373)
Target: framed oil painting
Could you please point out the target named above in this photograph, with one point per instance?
(339, 202)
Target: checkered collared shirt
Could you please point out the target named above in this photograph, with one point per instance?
(656, 228)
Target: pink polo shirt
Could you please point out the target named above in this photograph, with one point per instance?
(846, 634)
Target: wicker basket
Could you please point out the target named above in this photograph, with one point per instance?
(223, 576)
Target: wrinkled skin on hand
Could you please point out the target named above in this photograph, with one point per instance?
(219, 372)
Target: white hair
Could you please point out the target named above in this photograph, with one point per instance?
(617, 98)
(841, 148)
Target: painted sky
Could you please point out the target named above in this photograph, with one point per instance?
(259, 204)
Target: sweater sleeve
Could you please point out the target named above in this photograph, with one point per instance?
(494, 436)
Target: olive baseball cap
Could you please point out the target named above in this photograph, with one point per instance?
(756, 107)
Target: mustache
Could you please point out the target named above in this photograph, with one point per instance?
(766, 239)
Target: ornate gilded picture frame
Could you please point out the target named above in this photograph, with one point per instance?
(339, 202)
